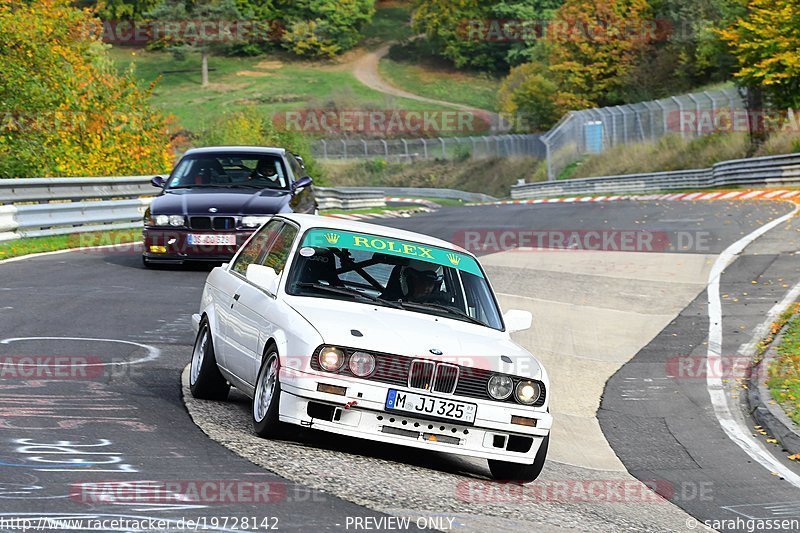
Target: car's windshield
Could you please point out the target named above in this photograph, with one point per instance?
(373, 269)
(258, 171)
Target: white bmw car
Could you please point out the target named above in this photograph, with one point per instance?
(372, 332)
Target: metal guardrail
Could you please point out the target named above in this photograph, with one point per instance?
(345, 198)
(426, 192)
(772, 171)
(41, 207)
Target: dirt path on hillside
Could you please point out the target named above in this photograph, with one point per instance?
(365, 70)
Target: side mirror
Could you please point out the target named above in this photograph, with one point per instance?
(305, 181)
(158, 181)
(517, 320)
(264, 277)
(300, 160)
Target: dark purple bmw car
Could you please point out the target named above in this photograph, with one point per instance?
(215, 198)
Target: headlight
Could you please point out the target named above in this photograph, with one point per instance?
(331, 358)
(362, 364)
(528, 392)
(500, 387)
(253, 222)
(161, 220)
(177, 220)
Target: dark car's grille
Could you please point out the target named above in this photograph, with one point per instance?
(217, 223)
(405, 371)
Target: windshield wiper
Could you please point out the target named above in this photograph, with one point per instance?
(454, 310)
(349, 292)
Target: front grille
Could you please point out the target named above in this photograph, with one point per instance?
(420, 375)
(217, 223)
(224, 223)
(446, 378)
(396, 370)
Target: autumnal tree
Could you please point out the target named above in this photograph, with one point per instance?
(64, 109)
(594, 45)
(766, 43)
(528, 95)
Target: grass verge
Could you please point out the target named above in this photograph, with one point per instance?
(34, 245)
(784, 372)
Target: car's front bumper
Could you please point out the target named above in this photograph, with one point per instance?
(361, 413)
(169, 245)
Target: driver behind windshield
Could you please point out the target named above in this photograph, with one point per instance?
(421, 286)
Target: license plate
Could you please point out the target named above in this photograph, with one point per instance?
(429, 406)
(214, 240)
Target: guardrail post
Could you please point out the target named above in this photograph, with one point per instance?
(344, 145)
(385, 148)
(405, 147)
(366, 150)
(324, 149)
(424, 148)
(444, 148)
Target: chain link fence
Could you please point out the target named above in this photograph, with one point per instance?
(592, 131)
(404, 150)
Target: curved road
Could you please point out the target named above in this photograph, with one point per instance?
(114, 439)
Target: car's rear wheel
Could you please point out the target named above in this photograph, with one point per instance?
(504, 471)
(267, 397)
(205, 380)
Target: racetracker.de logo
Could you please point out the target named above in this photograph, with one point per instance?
(383, 121)
(616, 240)
(572, 491)
(49, 367)
(178, 491)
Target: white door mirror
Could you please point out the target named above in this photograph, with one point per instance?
(517, 320)
(264, 277)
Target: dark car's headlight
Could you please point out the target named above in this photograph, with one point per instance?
(167, 220)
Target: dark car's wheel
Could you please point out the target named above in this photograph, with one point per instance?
(205, 380)
(267, 397)
(504, 471)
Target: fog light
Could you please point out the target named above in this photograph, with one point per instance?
(158, 249)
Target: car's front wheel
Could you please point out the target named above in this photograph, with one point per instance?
(205, 380)
(266, 401)
(504, 471)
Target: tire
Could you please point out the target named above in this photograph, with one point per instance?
(267, 399)
(205, 380)
(504, 471)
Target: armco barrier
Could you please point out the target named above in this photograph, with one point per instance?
(57, 206)
(772, 171)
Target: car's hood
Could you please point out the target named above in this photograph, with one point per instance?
(226, 202)
(413, 334)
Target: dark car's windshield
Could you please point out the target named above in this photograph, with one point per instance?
(402, 274)
(258, 171)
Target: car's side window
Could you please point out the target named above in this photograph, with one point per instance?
(256, 249)
(279, 251)
(297, 170)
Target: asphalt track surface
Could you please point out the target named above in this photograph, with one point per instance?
(122, 420)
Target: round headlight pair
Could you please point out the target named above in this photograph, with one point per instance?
(169, 220)
(526, 392)
(332, 359)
